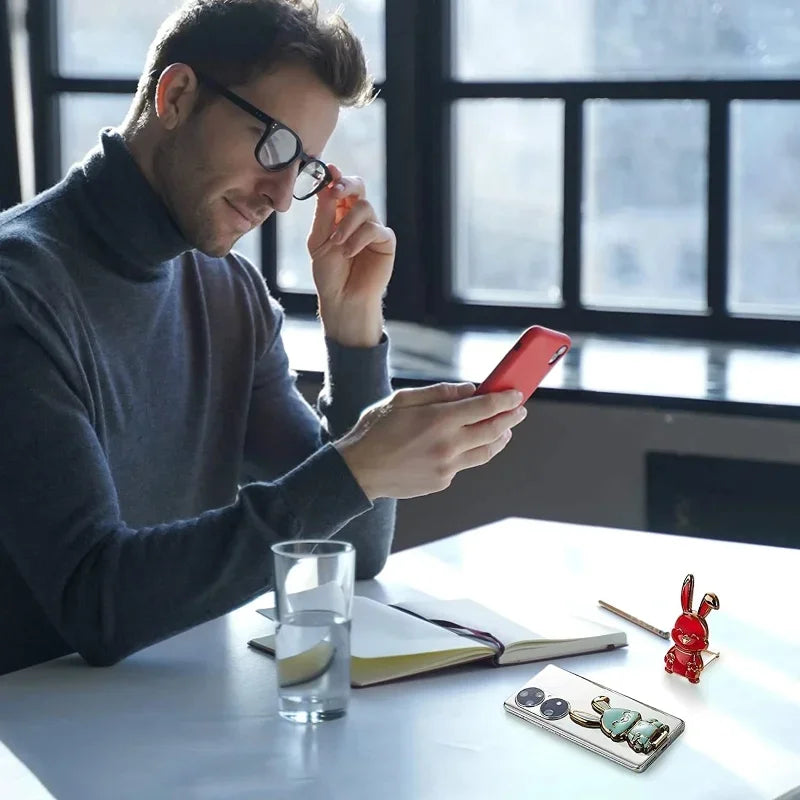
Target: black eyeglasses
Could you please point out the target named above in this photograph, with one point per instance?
(279, 147)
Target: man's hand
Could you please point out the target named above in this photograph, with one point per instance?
(414, 442)
(352, 256)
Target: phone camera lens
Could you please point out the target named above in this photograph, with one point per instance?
(558, 353)
(530, 697)
(554, 708)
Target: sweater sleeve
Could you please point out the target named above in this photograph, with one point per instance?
(107, 588)
(283, 428)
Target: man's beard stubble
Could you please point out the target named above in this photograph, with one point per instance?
(186, 206)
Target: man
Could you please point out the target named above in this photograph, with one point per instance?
(143, 374)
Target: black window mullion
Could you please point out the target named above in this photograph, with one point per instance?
(10, 193)
(440, 264)
(98, 85)
(718, 207)
(43, 56)
(435, 139)
(405, 208)
(573, 193)
(688, 89)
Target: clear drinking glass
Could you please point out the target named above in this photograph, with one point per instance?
(314, 600)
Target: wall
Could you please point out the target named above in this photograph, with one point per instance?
(583, 463)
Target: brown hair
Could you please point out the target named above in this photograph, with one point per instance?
(236, 40)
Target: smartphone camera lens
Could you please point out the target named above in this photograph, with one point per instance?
(558, 353)
(554, 708)
(530, 697)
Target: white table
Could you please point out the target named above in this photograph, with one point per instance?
(195, 716)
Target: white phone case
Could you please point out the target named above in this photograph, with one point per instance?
(567, 692)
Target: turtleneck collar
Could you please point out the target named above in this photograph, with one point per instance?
(125, 212)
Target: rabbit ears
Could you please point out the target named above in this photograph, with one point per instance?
(709, 601)
(686, 593)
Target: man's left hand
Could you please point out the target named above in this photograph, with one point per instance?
(352, 256)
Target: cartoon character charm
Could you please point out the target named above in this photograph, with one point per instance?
(690, 634)
(642, 735)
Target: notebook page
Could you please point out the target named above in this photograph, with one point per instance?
(510, 632)
(380, 631)
(472, 615)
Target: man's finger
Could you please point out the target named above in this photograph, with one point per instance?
(349, 186)
(490, 430)
(478, 456)
(373, 235)
(484, 406)
(360, 211)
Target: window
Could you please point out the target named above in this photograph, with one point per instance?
(765, 208)
(81, 116)
(507, 211)
(644, 210)
(585, 164)
(624, 167)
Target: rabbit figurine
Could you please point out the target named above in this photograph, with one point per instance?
(690, 634)
(642, 735)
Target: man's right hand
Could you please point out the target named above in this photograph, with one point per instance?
(414, 442)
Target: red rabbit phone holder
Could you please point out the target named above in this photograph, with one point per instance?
(690, 634)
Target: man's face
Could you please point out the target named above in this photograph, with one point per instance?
(205, 167)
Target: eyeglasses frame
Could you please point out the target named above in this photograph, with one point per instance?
(271, 125)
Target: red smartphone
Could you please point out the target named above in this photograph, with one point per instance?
(525, 365)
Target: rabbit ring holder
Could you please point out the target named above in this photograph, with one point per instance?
(690, 635)
(622, 724)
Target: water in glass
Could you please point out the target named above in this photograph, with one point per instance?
(312, 651)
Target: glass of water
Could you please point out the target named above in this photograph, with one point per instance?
(314, 598)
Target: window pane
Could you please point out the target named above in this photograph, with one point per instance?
(86, 27)
(366, 17)
(107, 37)
(644, 210)
(577, 39)
(764, 276)
(508, 191)
(82, 117)
(250, 246)
(357, 147)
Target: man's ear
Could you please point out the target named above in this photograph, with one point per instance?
(176, 94)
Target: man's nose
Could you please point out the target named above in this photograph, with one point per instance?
(278, 187)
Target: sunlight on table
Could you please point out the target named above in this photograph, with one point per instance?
(18, 780)
(644, 369)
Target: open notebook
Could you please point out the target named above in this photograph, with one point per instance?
(388, 643)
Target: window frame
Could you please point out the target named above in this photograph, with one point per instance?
(717, 323)
(10, 189)
(419, 91)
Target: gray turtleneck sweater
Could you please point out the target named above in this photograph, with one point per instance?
(141, 384)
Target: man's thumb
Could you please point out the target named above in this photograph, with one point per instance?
(324, 220)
